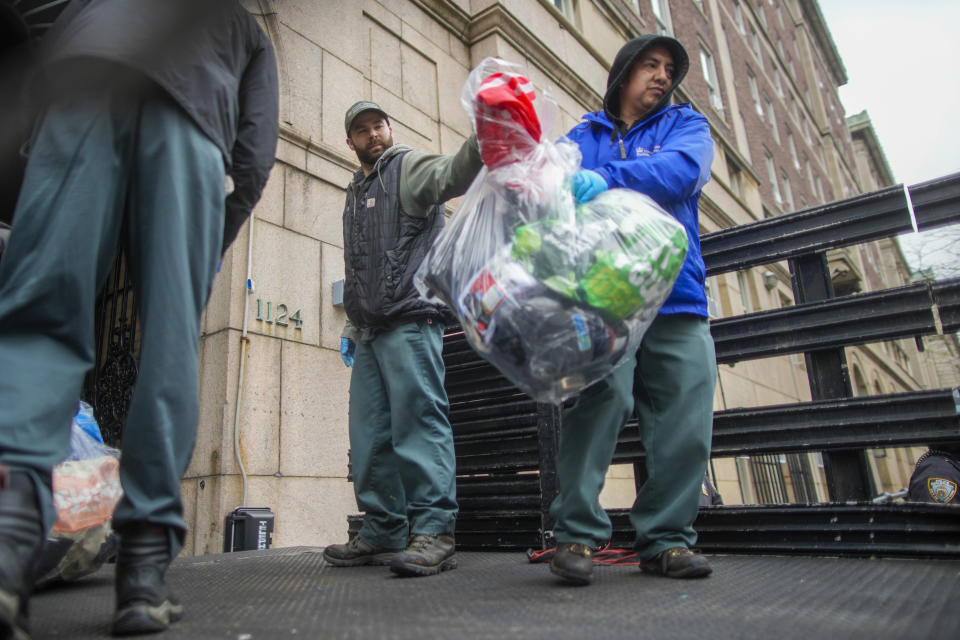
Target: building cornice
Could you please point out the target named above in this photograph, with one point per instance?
(820, 30)
(497, 20)
(447, 13)
(861, 127)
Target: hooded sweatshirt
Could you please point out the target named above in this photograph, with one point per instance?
(665, 155)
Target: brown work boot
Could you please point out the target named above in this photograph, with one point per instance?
(677, 562)
(426, 554)
(357, 553)
(573, 562)
(21, 540)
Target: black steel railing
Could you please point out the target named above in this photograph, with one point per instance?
(506, 444)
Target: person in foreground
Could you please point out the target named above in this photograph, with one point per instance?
(640, 141)
(401, 444)
(152, 114)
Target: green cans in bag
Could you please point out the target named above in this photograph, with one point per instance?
(621, 255)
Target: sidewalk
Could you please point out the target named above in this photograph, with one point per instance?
(292, 593)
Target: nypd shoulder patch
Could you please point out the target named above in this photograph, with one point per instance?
(942, 490)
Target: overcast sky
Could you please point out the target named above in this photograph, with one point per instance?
(902, 64)
(903, 67)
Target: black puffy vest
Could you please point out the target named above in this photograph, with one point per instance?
(383, 247)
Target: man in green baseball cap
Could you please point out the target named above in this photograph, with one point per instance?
(362, 107)
(401, 444)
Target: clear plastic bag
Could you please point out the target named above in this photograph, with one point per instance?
(86, 489)
(551, 293)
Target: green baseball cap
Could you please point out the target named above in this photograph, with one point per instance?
(357, 109)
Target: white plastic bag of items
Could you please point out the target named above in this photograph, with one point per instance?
(552, 293)
(86, 488)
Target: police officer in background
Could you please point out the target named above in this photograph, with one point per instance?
(937, 476)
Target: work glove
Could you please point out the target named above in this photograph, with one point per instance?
(347, 349)
(587, 185)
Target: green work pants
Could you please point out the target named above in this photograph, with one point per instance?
(107, 166)
(401, 444)
(670, 385)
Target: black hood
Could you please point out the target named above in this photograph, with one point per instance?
(623, 64)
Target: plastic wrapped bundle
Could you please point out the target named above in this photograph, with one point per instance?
(86, 488)
(552, 294)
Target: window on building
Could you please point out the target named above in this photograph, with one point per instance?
(793, 150)
(793, 69)
(713, 305)
(661, 10)
(736, 176)
(780, 15)
(763, 16)
(820, 193)
(787, 192)
(755, 42)
(809, 168)
(745, 299)
(564, 6)
(772, 177)
(710, 76)
(780, 47)
(738, 18)
(794, 108)
(772, 116)
(776, 79)
(754, 93)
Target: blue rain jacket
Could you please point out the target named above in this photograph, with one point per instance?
(667, 156)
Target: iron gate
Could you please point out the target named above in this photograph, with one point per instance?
(109, 385)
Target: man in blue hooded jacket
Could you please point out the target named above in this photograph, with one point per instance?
(640, 141)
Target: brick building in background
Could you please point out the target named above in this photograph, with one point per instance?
(765, 74)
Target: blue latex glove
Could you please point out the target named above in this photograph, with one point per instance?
(587, 185)
(347, 348)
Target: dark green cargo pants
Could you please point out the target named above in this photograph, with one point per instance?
(670, 385)
(401, 444)
(105, 166)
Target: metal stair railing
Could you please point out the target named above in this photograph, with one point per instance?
(506, 443)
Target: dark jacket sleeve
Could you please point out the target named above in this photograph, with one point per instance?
(256, 146)
(676, 172)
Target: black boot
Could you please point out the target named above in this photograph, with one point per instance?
(573, 562)
(677, 562)
(143, 603)
(21, 539)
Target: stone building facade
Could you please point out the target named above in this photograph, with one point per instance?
(273, 389)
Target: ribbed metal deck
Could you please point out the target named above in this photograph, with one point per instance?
(292, 593)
